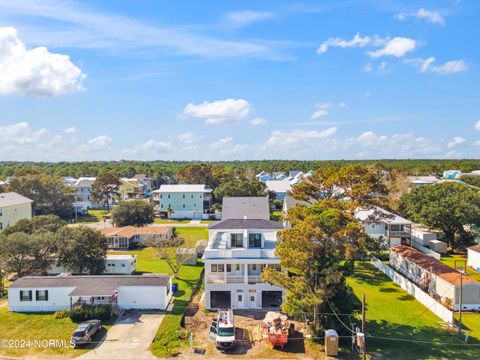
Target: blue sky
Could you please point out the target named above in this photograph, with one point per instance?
(215, 80)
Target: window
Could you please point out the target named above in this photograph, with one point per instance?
(41, 295)
(221, 268)
(252, 298)
(372, 226)
(25, 295)
(254, 267)
(236, 240)
(191, 196)
(169, 196)
(161, 206)
(214, 268)
(184, 206)
(240, 297)
(160, 196)
(184, 196)
(1, 212)
(237, 267)
(1, 226)
(229, 267)
(255, 240)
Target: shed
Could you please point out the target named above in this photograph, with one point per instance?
(438, 246)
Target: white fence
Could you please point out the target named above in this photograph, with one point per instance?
(426, 250)
(433, 305)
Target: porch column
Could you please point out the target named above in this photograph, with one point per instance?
(245, 275)
(71, 303)
(388, 235)
(225, 273)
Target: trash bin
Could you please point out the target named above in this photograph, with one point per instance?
(331, 342)
(174, 287)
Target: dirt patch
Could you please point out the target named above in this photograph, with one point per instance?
(250, 337)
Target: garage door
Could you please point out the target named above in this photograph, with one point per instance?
(271, 299)
(220, 299)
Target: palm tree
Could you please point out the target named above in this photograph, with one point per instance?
(169, 212)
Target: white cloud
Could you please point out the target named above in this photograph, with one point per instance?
(298, 137)
(477, 125)
(247, 17)
(187, 138)
(433, 17)
(342, 105)
(449, 67)
(79, 25)
(357, 41)
(457, 140)
(397, 47)
(35, 72)
(226, 148)
(318, 114)
(258, 121)
(220, 112)
(20, 134)
(70, 130)
(98, 141)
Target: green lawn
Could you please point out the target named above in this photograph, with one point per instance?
(192, 234)
(171, 221)
(276, 215)
(396, 316)
(166, 342)
(450, 261)
(38, 326)
(92, 217)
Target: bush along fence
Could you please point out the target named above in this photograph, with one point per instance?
(433, 305)
(100, 312)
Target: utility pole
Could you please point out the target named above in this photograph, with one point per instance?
(364, 350)
(460, 305)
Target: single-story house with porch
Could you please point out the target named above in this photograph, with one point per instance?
(55, 293)
(439, 280)
(129, 236)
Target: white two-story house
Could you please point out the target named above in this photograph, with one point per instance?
(382, 224)
(239, 247)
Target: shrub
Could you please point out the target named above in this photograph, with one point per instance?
(62, 314)
(100, 312)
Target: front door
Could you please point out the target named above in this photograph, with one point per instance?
(253, 301)
(240, 304)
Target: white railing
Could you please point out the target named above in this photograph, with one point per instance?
(400, 233)
(233, 279)
(433, 305)
(239, 253)
(426, 251)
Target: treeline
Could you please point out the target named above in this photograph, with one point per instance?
(164, 171)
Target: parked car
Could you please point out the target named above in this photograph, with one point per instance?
(85, 332)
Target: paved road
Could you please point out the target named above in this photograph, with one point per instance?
(129, 338)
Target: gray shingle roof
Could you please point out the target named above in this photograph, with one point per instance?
(260, 224)
(245, 208)
(12, 198)
(86, 285)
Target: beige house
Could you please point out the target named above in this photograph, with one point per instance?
(14, 207)
(129, 236)
(437, 279)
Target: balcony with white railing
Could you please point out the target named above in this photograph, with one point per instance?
(233, 279)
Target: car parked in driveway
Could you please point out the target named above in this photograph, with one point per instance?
(84, 333)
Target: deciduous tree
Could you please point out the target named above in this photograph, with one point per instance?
(132, 212)
(50, 194)
(240, 187)
(446, 206)
(82, 249)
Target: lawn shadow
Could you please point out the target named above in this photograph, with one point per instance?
(406, 297)
(388, 290)
(394, 341)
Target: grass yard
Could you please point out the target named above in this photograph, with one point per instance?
(171, 221)
(167, 342)
(93, 216)
(38, 326)
(408, 329)
(450, 261)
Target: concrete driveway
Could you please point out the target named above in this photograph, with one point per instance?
(129, 338)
